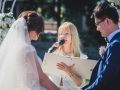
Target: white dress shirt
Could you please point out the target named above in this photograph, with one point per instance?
(112, 34)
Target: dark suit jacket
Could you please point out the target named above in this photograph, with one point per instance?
(106, 74)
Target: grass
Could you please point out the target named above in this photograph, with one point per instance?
(87, 81)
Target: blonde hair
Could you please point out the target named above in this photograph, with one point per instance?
(75, 41)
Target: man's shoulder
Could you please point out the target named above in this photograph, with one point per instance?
(115, 45)
(116, 41)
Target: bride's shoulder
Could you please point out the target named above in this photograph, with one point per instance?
(28, 48)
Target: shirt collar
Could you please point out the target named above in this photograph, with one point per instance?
(112, 34)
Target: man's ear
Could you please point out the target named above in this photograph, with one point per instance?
(109, 21)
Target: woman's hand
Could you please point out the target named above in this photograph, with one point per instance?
(56, 44)
(66, 68)
(69, 70)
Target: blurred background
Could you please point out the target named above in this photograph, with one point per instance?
(57, 11)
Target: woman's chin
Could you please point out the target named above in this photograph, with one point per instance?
(35, 39)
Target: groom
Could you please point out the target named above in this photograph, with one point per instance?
(106, 74)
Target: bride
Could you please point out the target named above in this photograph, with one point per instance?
(19, 64)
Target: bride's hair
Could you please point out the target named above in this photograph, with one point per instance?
(34, 21)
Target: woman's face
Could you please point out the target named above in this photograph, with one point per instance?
(66, 35)
(33, 35)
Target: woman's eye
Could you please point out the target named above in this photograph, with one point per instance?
(60, 34)
(66, 33)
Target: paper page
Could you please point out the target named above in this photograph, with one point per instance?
(50, 61)
(82, 68)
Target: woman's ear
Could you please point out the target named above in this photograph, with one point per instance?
(31, 34)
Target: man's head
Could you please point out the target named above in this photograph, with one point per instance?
(106, 18)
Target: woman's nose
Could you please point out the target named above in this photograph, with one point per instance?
(62, 36)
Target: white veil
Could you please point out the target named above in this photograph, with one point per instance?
(15, 71)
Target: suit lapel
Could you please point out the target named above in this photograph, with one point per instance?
(103, 57)
(114, 37)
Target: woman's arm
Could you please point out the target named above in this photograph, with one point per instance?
(77, 80)
(68, 69)
(43, 79)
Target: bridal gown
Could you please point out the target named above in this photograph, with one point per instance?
(18, 67)
(23, 75)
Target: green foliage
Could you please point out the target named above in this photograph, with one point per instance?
(48, 37)
(42, 45)
(74, 7)
(87, 39)
(92, 52)
(70, 11)
(87, 81)
(90, 45)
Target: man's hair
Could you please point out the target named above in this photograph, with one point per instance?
(106, 10)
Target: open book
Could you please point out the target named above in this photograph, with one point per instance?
(82, 67)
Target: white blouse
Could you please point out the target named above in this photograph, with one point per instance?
(68, 83)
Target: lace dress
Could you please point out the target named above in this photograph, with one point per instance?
(20, 72)
(18, 67)
(31, 77)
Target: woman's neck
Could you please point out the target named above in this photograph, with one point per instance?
(66, 49)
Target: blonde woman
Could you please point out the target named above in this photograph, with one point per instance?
(71, 48)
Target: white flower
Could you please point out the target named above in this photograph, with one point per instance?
(1, 40)
(13, 20)
(9, 14)
(1, 31)
(1, 23)
(2, 15)
(6, 20)
(4, 26)
(115, 1)
(10, 25)
(1, 36)
(0, 18)
(4, 33)
(101, 50)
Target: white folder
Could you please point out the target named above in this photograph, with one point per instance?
(82, 67)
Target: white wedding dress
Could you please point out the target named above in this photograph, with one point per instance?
(16, 56)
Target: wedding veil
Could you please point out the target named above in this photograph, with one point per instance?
(15, 71)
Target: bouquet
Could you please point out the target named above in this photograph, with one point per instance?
(6, 20)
